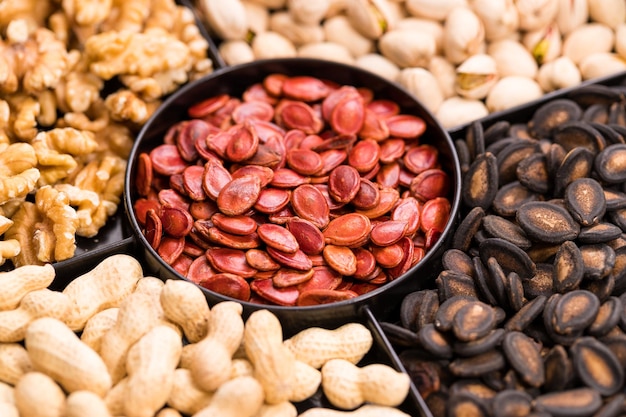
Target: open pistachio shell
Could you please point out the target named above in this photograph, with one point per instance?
(571, 14)
(423, 85)
(557, 74)
(588, 39)
(272, 45)
(326, 50)
(236, 52)
(227, 19)
(601, 64)
(432, 9)
(456, 111)
(379, 65)
(371, 18)
(445, 74)
(339, 30)
(512, 58)
(512, 91)
(476, 76)
(408, 48)
(419, 24)
(535, 14)
(544, 44)
(283, 23)
(609, 12)
(308, 12)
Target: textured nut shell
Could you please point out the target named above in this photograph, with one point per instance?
(364, 15)
(456, 111)
(601, 64)
(432, 27)
(500, 17)
(227, 18)
(272, 45)
(609, 12)
(299, 34)
(408, 48)
(445, 74)
(534, 14)
(588, 39)
(512, 58)
(326, 50)
(560, 73)
(463, 36)
(571, 14)
(423, 85)
(512, 91)
(432, 9)
(236, 52)
(378, 64)
(338, 29)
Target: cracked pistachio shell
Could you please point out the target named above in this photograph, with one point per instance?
(236, 52)
(419, 24)
(371, 18)
(463, 35)
(378, 64)
(588, 39)
(339, 30)
(270, 44)
(257, 16)
(432, 9)
(407, 48)
(456, 111)
(601, 64)
(445, 73)
(499, 17)
(226, 18)
(326, 50)
(282, 22)
(476, 76)
(544, 44)
(512, 91)
(620, 40)
(535, 14)
(512, 58)
(559, 73)
(609, 12)
(308, 12)
(571, 14)
(423, 85)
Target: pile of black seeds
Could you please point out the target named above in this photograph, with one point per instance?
(528, 315)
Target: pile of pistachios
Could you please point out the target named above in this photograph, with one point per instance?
(463, 59)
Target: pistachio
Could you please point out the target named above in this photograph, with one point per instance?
(326, 50)
(601, 64)
(620, 40)
(445, 73)
(560, 73)
(371, 18)
(433, 27)
(432, 9)
(336, 7)
(236, 52)
(544, 44)
(571, 14)
(588, 39)
(535, 14)
(283, 23)
(512, 58)
(475, 76)
(500, 17)
(609, 12)
(456, 111)
(423, 85)
(257, 16)
(270, 44)
(307, 11)
(378, 64)
(339, 30)
(407, 48)
(463, 36)
(512, 91)
(226, 18)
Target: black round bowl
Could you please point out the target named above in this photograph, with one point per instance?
(233, 80)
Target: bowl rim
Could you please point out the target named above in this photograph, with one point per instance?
(428, 116)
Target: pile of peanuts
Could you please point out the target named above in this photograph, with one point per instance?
(463, 59)
(117, 343)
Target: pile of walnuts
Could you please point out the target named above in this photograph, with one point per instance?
(78, 79)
